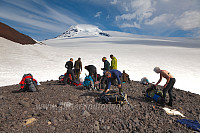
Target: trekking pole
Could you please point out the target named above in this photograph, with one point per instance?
(127, 101)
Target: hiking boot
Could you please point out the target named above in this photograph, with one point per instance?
(162, 104)
(169, 104)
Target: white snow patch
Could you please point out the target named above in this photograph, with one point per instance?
(137, 55)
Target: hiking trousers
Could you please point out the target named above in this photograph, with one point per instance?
(169, 89)
(103, 82)
(77, 74)
(70, 71)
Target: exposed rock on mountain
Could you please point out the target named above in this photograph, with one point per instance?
(59, 108)
(13, 35)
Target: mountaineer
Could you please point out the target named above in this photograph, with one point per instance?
(144, 81)
(113, 62)
(168, 86)
(105, 69)
(106, 64)
(125, 77)
(69, 66)
(92, 71)
(78, 68)
(113, 75)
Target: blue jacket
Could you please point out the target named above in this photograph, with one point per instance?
(115, 74)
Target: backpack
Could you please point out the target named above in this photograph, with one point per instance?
(28, 83)
(98, 77)
(64, 79)
(88, 82)
(154, 94)
(113, 99)
(76, 83)
(69, 80)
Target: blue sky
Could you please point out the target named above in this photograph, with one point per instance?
(45, 19)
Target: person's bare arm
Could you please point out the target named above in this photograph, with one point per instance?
(168, 79)
(159, 79)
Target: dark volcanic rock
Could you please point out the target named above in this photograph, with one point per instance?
(24, 104)
(13, 35)
(85, 113)
(60, 108)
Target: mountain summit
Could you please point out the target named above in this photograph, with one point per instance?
(83, 30)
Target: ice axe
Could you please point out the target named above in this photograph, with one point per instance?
(126, 100)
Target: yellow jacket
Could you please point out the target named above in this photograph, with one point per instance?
(113, 63)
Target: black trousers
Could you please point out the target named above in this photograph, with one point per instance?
(70, 71)
(93, 74)
(169, 89)
(77, 74)
(104, 82)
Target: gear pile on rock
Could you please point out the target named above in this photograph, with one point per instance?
(59, 108)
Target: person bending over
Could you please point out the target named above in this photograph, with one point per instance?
(92, 71)
(168, 86)
(112, 75)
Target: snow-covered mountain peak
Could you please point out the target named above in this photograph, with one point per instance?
(82, 30)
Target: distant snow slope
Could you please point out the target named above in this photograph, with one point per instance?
(83, 30)
(138, 55)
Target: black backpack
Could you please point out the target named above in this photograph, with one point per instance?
(113, 99)
(30, 85)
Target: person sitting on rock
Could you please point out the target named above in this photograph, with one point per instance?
(125, 77)
(112, 75)
(144, 81)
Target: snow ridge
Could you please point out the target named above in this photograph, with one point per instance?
(83, 30)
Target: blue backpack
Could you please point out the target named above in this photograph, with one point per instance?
(154, 94)
(87, 81)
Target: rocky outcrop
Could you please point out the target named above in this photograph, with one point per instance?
(13, 35)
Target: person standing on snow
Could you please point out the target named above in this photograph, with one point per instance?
(69, 66)
(168, 86)
(78, 68)
(113, 62)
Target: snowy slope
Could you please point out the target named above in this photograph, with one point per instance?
(138, 55)
(83, 30)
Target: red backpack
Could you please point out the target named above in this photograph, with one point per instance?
(28, 82)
